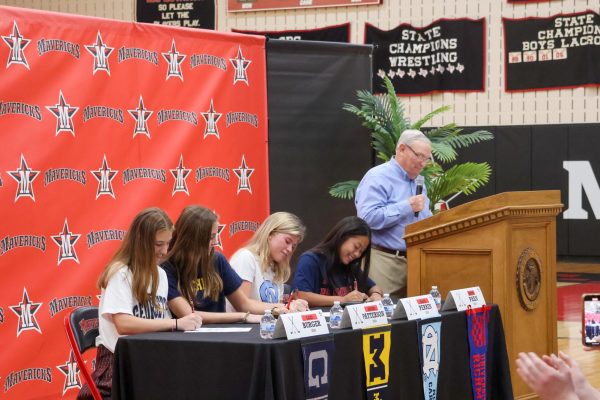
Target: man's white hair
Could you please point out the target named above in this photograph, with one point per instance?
(412, 135)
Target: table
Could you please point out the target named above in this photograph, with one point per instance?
(177, 365)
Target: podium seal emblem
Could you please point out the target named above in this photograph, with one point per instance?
(529, 279)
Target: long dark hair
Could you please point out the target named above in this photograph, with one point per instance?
(191, 255)
(336, 272)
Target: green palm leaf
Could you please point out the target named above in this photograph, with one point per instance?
(344, 190)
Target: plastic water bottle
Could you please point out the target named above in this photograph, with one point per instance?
(388, 305)
(267, 325)
(437, 297)
(335, 315)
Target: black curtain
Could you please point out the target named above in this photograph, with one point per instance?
(313, 143)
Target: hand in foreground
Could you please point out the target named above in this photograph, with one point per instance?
(354, 295)
(299, 305)
(582, 387)
(417, 202)
(253, 319)
(550, 383)
(375, 296)
(190, 322)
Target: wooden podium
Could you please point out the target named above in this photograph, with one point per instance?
(506, 245)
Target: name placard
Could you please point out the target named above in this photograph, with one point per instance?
(301, 324)
(460, 299)
(417, 307)
(364, 315)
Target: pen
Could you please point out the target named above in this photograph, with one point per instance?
(292, 297)
(355, 284)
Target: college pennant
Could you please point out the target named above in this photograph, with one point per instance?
(430, 331)
(318, 359)
(560, 51)
(377, 343)
(337, 33)
(447, 55)
(477, 328)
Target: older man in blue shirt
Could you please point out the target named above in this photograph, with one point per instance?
(386, 198)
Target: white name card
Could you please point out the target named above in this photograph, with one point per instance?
(417, 307)
(460, 299)
(364, 315)
(301, 324)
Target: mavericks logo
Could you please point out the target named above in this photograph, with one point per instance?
(212, 172)
(66, 174)
(239, 226)
(46, 45)
(127, 53)
(26, 311)
(71, 373)
(197, 60)
(90, 112)
(236, 117)
(57, 305)
(12, 242)
(27, 374)
(95, 237)
(18, 108)
(132, 174)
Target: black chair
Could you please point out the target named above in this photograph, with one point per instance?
(81, 326)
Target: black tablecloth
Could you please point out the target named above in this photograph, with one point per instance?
(236, 366)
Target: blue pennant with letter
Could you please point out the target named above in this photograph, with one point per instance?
(430, 332)
(318, 359)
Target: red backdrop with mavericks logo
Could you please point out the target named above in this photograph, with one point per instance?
(98, 120)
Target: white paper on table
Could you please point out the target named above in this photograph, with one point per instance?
(220, 330)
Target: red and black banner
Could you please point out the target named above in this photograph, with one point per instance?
(100, 119)
(477, 328)
(448, 55)
(561, 51)
(258, 5)
(187, 14)
(337, 33)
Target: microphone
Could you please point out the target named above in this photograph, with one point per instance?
(419, 181)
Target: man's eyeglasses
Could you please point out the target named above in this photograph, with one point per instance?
(421, 157)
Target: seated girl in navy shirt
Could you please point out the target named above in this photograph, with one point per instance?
(337, 269)
(200, 278)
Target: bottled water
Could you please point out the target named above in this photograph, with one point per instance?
(267, 325)
(388, 305)
(335, 315)
(437, 297)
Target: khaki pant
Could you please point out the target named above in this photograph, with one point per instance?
(389, 273)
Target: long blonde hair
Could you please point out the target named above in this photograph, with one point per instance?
(138, 254)
(279, 222)
(190, 253)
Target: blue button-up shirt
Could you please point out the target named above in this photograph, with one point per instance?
(382, 200)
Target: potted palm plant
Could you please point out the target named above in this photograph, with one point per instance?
(384, 116)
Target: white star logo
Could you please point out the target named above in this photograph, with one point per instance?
(240, 65)
(243, 173)
(174, 60)
(218, 242)
(71, 372)
(17, 45)
(211, 117)
(64, 115)
(101, 52)
(104, 176)
(141, 115)
(24, 176)
(26, 310)
(65, 241)
(180, 174)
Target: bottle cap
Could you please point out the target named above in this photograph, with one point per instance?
(434, 287)
(336, 303)
(386, 295)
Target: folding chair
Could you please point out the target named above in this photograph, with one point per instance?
(81, 326)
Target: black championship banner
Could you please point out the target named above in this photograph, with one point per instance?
(430, 332)
(318, 362)
(189, 14)
(377, 343)
(447, 55)
(337, 33)
(557, 52)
